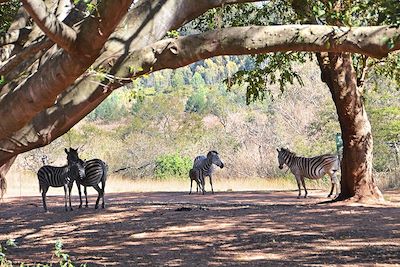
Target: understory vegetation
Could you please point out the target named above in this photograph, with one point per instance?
(156, 127)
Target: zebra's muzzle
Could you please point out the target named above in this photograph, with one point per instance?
(280, 167)
(222, 165)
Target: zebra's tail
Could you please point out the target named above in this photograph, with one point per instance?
(40, 188)
(105, 171)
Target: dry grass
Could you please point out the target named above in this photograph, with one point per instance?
(26, 184)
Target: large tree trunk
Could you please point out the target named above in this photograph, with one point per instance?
(357, 181)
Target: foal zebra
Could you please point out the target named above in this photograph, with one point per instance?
(61, 176)
(95, 173)
(205, 164)
(197, 176)
(313, 168)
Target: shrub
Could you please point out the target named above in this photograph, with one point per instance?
(172, 166)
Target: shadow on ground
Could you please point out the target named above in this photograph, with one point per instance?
(230, 228)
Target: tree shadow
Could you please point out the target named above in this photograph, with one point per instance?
(235, 228)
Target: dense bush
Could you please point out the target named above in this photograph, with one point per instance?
(172, 166)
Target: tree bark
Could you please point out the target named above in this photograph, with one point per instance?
(357, 182)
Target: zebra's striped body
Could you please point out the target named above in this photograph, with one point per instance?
(313, 168)
(205, 165)
(52, 176)
(95, 173)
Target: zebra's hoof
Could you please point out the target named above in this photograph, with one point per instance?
(298, 197)
(96, 207)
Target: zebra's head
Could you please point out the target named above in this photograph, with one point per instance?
(214, 158)
(282, 156)
(75, 163)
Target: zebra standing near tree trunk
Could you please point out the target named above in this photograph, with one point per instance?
(95, 173)
(61, 176)
(313, 168)
(205, 164)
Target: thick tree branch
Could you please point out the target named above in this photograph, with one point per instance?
(60, 33)
(9, 37)
(41, 89)
(174, 53)
(31, 51)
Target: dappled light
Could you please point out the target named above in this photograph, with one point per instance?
(231, 228)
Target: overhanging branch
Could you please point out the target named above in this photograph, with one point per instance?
(40, 90)
(57, 31)
(174, 53)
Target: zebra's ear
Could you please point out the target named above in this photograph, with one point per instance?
(277, 150)
(66, 150)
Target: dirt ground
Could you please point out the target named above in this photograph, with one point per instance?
(262, 228)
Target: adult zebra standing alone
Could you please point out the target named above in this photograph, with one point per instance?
(61, 176)
(205, 164)
(313, 168)
(95, 173)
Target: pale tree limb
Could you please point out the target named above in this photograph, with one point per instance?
(174, 53)
(9, 37)
(20, 20)
(60, 33)
(35, 42)
(19, 106)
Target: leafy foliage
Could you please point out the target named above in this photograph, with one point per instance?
(172, 166)
(7, 13)
(64, 258)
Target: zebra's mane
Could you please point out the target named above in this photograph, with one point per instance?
(288, 151)
(213, 151)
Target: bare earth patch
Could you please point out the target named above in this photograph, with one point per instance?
(262, 228)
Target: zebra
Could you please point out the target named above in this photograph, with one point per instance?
(313, 168)
(197, 176)
(205, 164)
(95, 173)
(61, 176)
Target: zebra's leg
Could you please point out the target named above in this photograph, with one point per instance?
(335, 181)
(191, 184)
(85, 192)
(80, 194)
(212, 189)
(100, 193)
(332, 186)
(65, 196)
(44, 192)
(69, 196)
(203, 184)
(337, 188)
(199, 184)
(298, 186)
(103, 185)
(304, 185)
